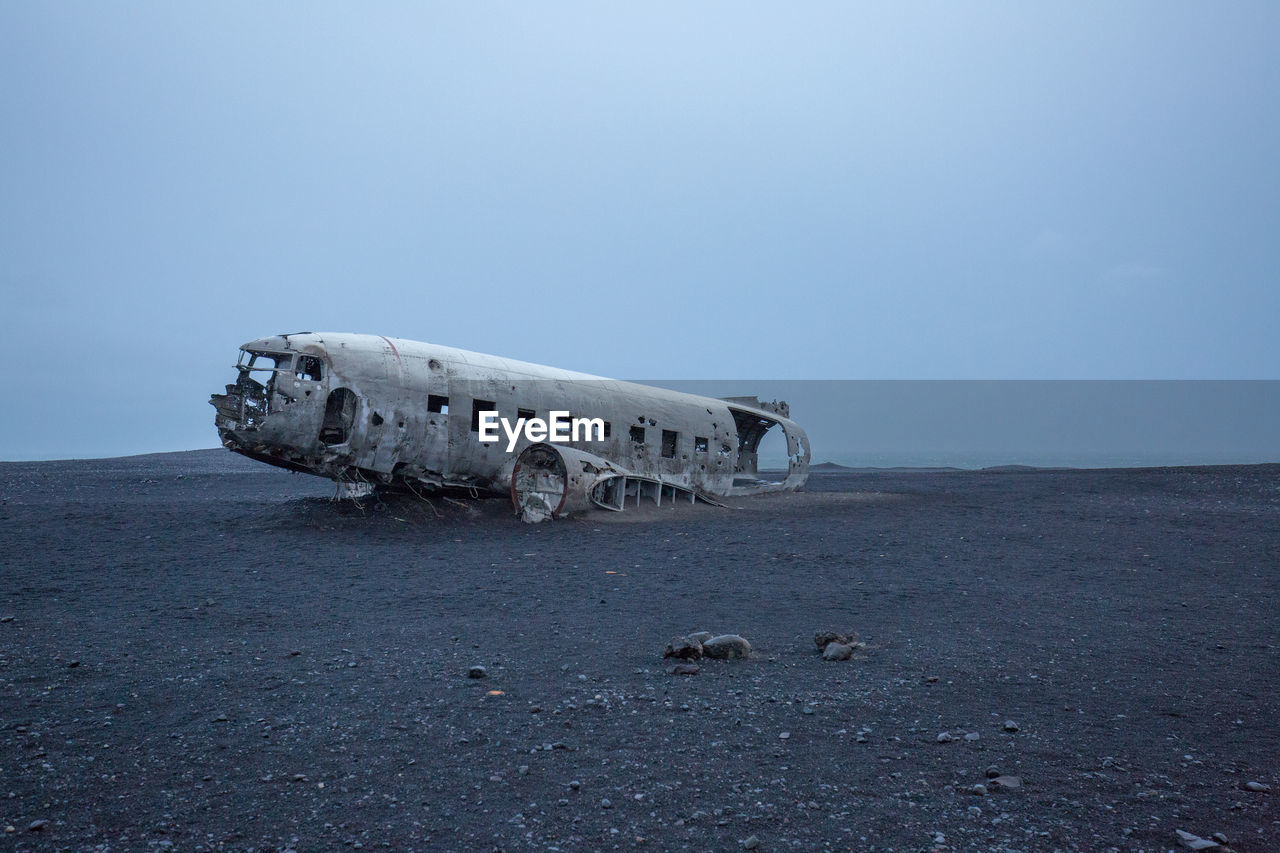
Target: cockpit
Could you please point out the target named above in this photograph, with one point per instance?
(266, 381)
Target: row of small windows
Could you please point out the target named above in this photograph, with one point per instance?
(670, 438)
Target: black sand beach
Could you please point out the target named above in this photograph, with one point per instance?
(202, 653)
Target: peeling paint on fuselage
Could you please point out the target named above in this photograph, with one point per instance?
(384, 430)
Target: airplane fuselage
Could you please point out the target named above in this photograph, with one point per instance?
(391, 412)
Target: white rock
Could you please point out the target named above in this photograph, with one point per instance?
(1195, 842)
(726, 647)
(837, 651)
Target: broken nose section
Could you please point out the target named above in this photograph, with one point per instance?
(228, 406)
(244, 405)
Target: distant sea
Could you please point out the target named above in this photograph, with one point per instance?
(977, 459)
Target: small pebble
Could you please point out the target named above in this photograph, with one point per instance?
(1010, 726)
(477, 672)
(945, 737)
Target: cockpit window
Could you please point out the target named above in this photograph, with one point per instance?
(265, 360)
(309, 368)
(261, 367)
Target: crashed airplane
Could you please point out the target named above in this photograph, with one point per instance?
(375, 413)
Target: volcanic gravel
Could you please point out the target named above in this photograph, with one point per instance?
(201, 653)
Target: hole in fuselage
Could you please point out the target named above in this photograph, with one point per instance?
(339, 415)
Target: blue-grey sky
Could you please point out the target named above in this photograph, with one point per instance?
(820, 190)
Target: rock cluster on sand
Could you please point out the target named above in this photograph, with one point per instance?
(702, 644)
(836, 646)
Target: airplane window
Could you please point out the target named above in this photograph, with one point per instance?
(265, 360)
(700, 444)
(309, 368)
(437, 404)
(608, 429)
(262, 366)
(637, 434)
(478, 406)
(527, 414)
(669, 438)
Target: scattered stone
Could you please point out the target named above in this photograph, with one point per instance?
(784, 735)
(6, 618)
(1220, 837)
(1195, 842)
(726, 647)
(701, 636)
(837, 651)
(606, 804)
(993, 772)
(945, 737)
(37, 825)
(684, 669)
(751, 843)
(978, 790)
(477, 672)
(1010, 726)
(523, 769)
(1006, 783)
(1257, 787)
(575, 784)
(822, 639)
(683, 648)
(73, 664)
(972, 736)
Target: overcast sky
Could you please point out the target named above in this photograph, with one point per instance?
(688, 190)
